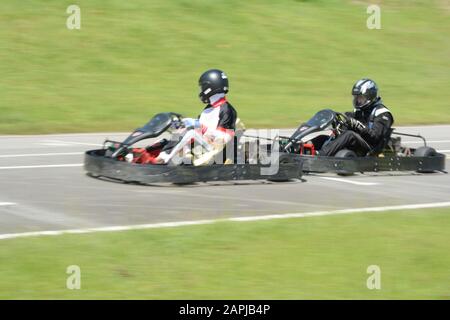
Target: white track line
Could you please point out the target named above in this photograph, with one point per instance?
(344, 211)
(428, 141)
(7, 204)
(72, 143)
(43, 166)
(237, 219)
(40, 154)
(358, 183)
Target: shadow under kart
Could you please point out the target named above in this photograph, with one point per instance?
(122, 161)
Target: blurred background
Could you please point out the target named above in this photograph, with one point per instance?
(285, 59)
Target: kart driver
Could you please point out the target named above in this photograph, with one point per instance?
(369, 124)
(216, 124)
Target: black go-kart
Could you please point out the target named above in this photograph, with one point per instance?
(389, 155)
(127, 162)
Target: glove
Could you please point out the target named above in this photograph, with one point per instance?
(355, 125)
(191, 123)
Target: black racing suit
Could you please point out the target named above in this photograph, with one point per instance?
(377, 120)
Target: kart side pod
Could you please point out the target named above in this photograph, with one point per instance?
(97, 165)
(346, 166)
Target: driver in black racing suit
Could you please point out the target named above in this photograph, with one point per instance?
(369, 124)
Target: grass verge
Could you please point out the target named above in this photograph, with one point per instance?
(309, 258)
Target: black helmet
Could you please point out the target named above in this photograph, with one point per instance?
(365, 92)
(212, 82)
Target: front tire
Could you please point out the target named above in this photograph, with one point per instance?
(345, 153)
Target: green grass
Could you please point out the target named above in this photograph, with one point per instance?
(321, 257)
(285, 59)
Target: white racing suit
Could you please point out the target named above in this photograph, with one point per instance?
(214, 128)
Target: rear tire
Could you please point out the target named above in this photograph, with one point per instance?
(345, 153)
(425, 152)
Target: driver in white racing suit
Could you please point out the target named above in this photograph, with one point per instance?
(216, 124)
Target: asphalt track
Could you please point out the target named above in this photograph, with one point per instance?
(43, 187)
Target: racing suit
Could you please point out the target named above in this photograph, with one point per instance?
(214, 126)
(371, 136)
(218, 119)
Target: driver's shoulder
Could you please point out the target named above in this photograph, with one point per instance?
(381, 113)
(382, 110)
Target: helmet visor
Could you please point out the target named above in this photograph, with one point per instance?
(359, 101)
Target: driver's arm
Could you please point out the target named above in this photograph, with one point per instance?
(350, 114)
(381, 125)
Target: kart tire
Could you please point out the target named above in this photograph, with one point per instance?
(108, 153)
(345, 153)
(425, 152)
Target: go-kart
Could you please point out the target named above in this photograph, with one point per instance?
(128, 162)
(389, 155)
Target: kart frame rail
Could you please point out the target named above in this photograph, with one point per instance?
(97, 165)
(374, 164)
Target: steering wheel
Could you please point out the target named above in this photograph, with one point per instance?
(342, 121)
(177, 123)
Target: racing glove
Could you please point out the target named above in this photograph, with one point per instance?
(191, 123)
(355, 125)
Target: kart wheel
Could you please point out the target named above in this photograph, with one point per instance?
(108, 153)
(425, 152)
(345, 153)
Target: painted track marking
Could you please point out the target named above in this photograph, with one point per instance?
(69, 143)
(40, 154)
(236, 219)
(7, 204)
(358, 183)
(43, 166)
(428, 141)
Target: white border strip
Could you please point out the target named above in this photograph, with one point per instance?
(237, 219)
(7, 204)
(428, 142)
(358, 183)
(40, 154)
(43, 166)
